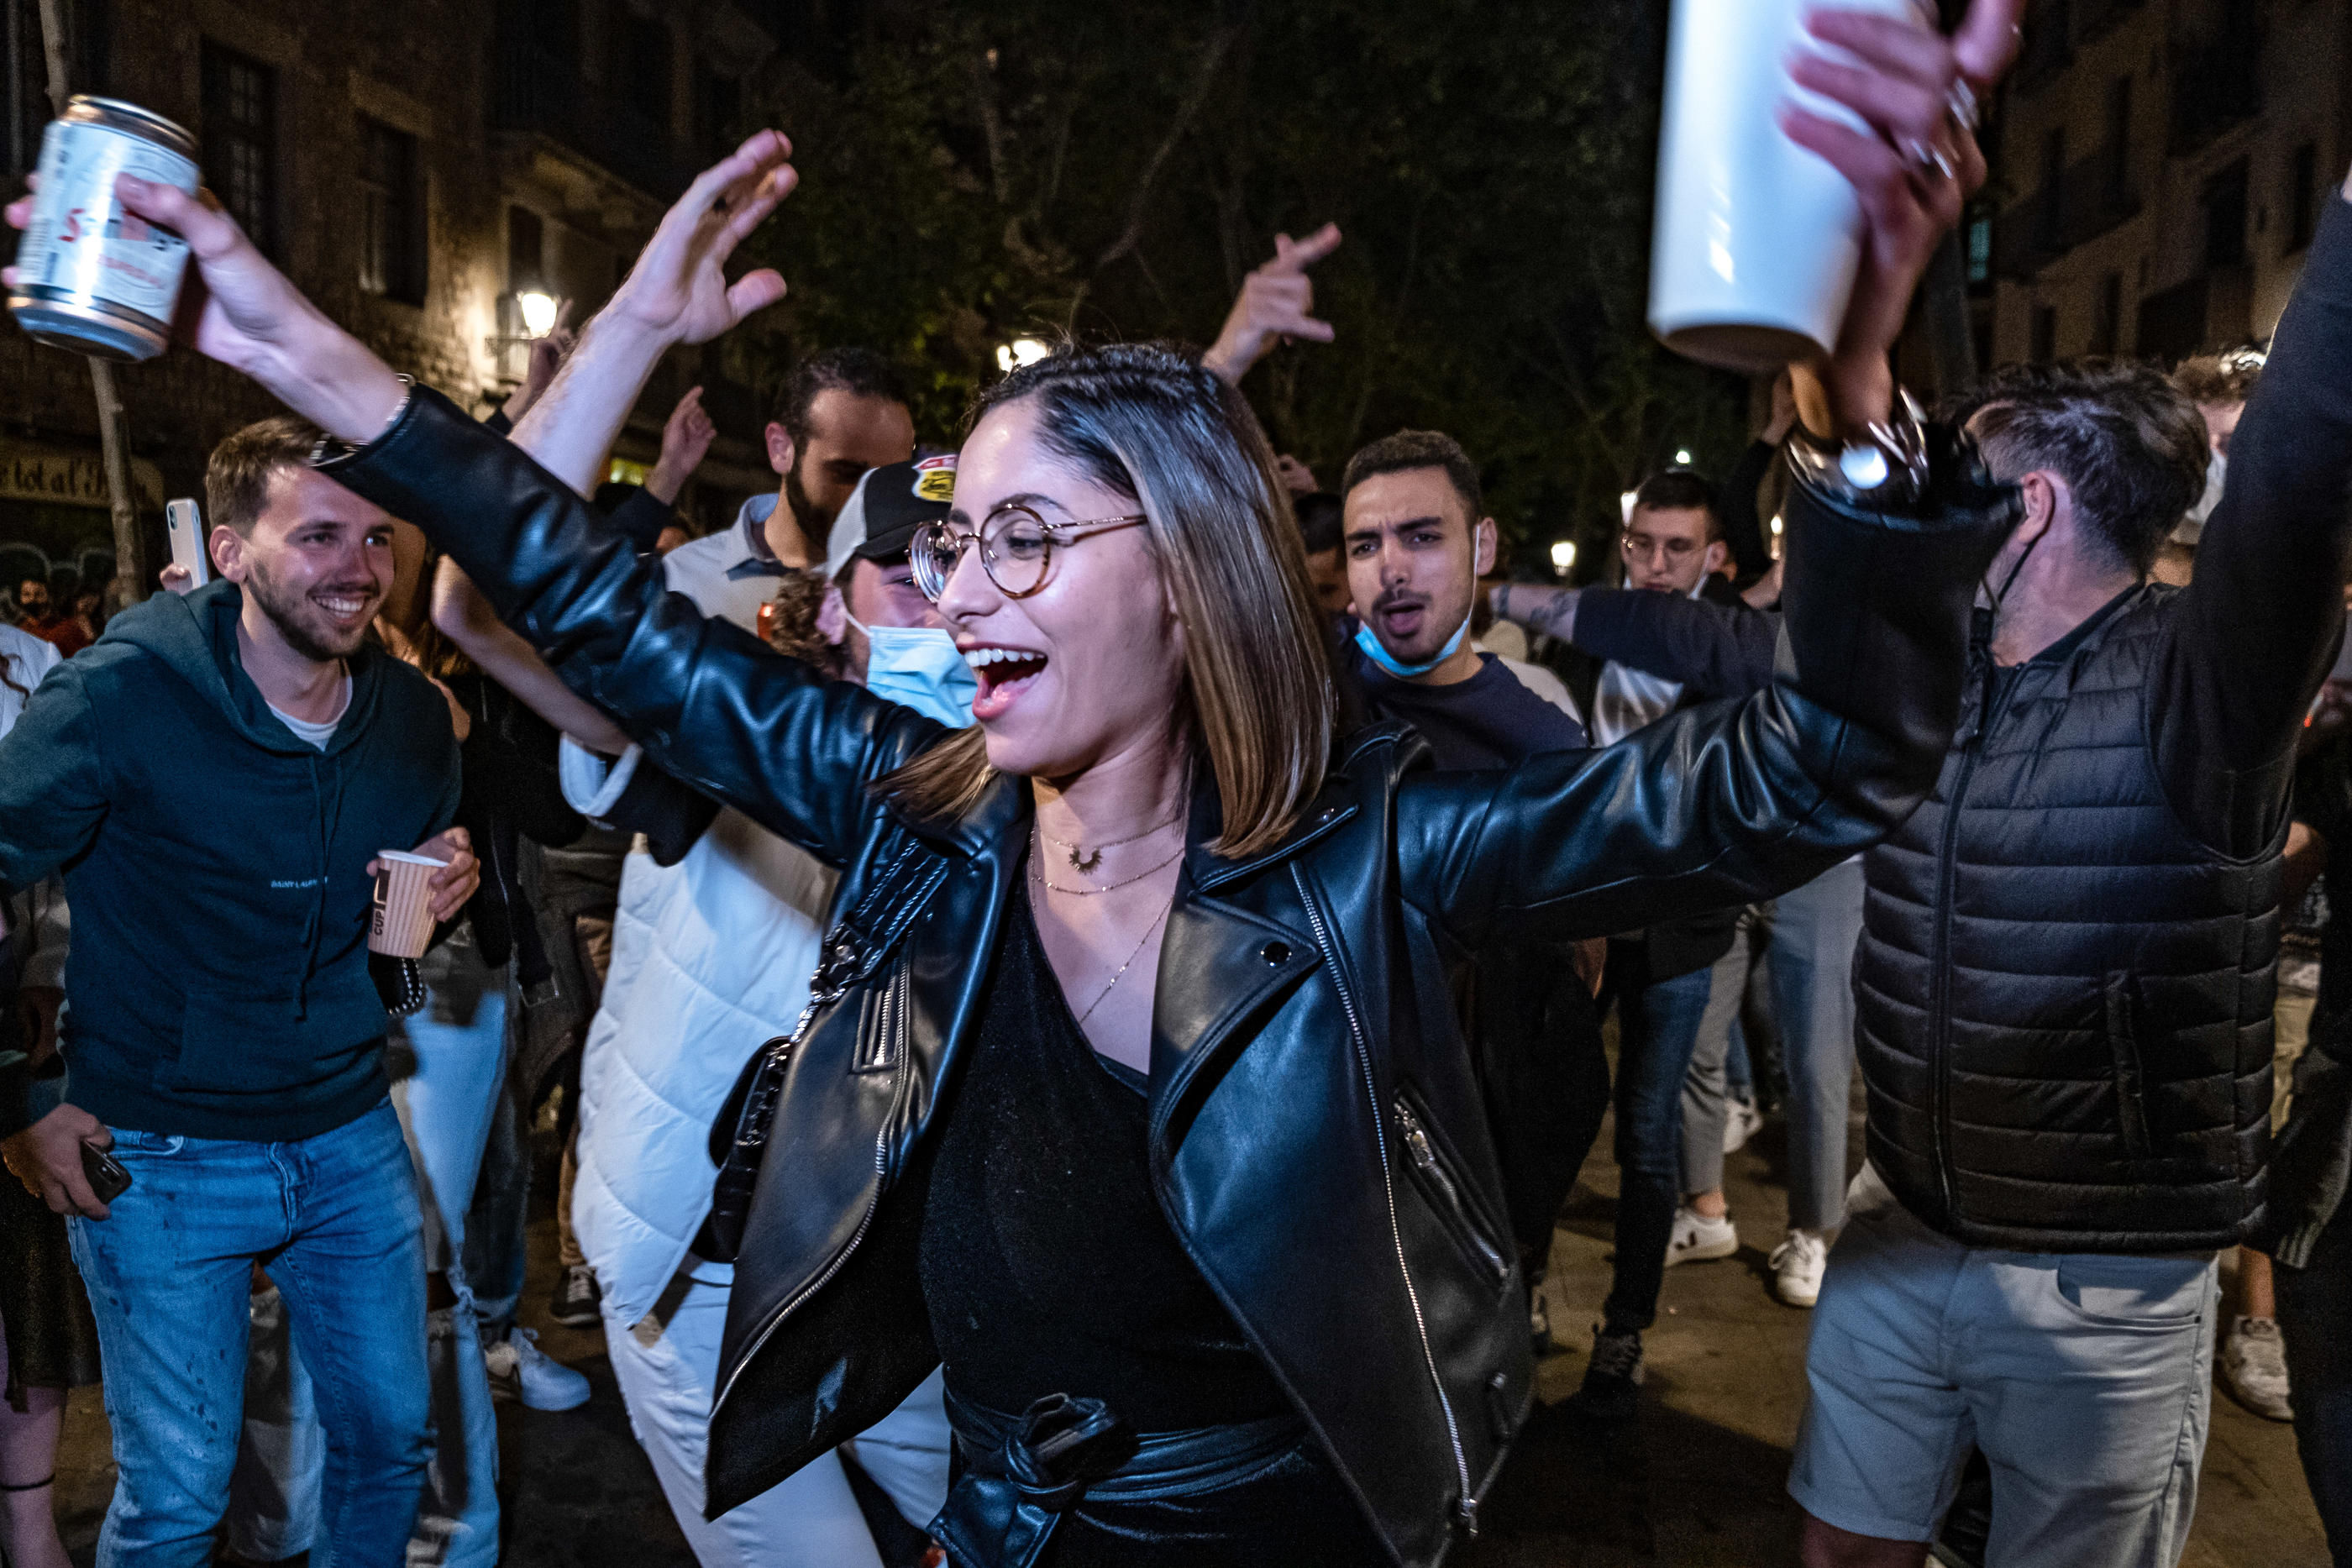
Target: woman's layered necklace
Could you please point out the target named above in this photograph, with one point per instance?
(1037, 876)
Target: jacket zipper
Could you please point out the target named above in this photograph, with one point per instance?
(1469, 1505)
(1416, 1140)
(1947, 878)
(865, 1221)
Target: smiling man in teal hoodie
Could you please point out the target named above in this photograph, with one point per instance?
(214, 778)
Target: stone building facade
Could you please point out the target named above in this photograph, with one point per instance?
(2158, 168)
(413, 168)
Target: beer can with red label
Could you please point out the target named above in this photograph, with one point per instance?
(92, 276)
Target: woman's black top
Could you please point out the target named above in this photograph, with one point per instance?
(1046, 1261)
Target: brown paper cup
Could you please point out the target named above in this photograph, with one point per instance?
(402, 925)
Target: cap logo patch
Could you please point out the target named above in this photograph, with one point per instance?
(935, 479)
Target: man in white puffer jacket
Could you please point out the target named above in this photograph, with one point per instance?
(712, 958)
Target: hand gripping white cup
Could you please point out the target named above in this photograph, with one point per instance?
(401, 925)
(1757, 240)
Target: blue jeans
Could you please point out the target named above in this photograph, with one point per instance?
(334, 1221)
(1658, 1026)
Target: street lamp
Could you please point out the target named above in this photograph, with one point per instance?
(538, 312)
(1682, 457)
(1021, 351)
(1563, 557)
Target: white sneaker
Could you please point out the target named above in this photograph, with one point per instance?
(1797, 1264)
(521, 1370)
(1741, 1122)
(2253, 1367)
(1695, 1237)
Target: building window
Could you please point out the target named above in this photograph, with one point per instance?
(391, 215)
(2225, 217)
(526, 252)
(2053, 190)
(240, 136)
(2303, 197)
(2106, 328)
(642, 71)
(2045, 334)
(2118, 147)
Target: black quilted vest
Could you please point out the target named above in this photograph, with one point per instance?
(2062, 996)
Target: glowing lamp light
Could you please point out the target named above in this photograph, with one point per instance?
(1563, 557)
(1776, 522)
(1681, 459)
(538, 312)
(1625, 504)
(1021, 351)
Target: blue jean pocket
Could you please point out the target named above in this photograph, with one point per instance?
(137, 1143)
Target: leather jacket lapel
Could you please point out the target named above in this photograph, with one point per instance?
(1253, 958)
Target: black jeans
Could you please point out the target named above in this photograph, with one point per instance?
(2314, 1315)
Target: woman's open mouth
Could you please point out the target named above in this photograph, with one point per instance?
(1003, 675)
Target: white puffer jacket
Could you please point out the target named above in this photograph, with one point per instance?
(711, 957)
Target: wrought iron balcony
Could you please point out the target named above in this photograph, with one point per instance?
(540, 93)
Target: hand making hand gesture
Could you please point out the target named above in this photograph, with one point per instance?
(1276, 304)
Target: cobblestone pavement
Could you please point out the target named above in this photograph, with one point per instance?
(1698, 1483)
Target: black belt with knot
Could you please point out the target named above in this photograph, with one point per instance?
(1019, 1474)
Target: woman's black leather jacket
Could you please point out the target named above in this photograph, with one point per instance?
(1317, 1136)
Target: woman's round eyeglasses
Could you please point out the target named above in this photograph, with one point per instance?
(1016, 546)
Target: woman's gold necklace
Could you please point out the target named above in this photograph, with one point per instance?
(1037, 872)
(1086, 860)
(1131, 957)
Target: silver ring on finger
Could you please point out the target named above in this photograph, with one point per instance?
(1968, 113)
(1927, 160)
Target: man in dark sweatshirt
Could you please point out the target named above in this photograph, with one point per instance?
(1415, 540)
(216, 778)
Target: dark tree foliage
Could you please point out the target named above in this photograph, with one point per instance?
(1041, 168)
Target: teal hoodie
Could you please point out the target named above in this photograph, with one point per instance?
(216, 866)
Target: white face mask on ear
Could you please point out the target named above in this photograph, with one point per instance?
(919, 667)
(2217, 472)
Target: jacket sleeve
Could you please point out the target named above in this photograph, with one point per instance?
(1735, 800)
(641, 517)
(1716, 650)
(52, 782)
(712, 705)
(2253, 634)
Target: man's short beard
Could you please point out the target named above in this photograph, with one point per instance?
(285, 617)
(816, 522)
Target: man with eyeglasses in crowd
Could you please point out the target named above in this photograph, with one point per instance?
(1663, 978)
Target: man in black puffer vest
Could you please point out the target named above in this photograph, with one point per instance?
(2065, 984)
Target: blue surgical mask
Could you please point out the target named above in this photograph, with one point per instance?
(919, 667)
(1370, 643)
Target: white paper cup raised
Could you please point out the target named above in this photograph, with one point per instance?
(1757, 240)
(402, 924)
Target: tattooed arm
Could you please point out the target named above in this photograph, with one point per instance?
(1539, 609)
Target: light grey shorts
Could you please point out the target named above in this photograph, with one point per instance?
(2084, 1378)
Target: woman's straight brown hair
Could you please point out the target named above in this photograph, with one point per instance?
(1149, 423)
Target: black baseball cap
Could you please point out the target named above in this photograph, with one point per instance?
(879, 519)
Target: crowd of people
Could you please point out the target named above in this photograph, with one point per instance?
(1071, 971)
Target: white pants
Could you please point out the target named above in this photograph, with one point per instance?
(668, 1365)
(2084, 1378)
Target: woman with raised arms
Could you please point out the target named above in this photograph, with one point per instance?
(1137, 1098)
